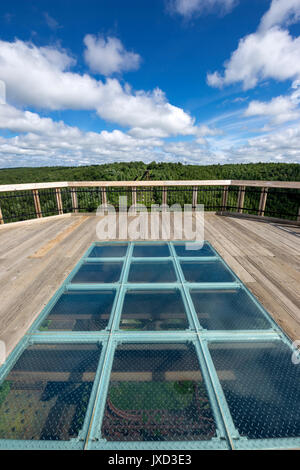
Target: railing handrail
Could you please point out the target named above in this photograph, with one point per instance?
(218, 195)
(82, 184)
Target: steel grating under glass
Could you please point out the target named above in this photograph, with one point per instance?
(157, 393)
(45, 396)
(151, 345)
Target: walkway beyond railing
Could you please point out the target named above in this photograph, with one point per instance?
(272, 199)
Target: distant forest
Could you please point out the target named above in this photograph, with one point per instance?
(156, 171)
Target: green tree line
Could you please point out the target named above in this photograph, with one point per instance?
(158, 171)
(280, 202)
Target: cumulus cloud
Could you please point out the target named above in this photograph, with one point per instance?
(15, 120)
(47, 142)
(280, 109)
(108, 56)
(42, 77)
(270, 52)
(281, 146)
(189, 8)
(259, 56)
(281, 12)
(42, 141)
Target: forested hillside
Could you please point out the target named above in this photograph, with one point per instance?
(157, 171)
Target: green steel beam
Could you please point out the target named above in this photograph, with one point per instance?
(90, 434)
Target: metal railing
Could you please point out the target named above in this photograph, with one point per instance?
(275, 199)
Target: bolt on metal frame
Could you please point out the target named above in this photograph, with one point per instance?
(227, 436)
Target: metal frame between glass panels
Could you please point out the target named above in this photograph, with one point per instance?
(227, 436)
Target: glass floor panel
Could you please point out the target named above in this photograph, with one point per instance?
(181, 250)
(206, 271)
(147, 360)
(156, 393)
(162, 271)
(151, 250)
(109, 251)
(80, 311)
(98, 272)
(228, 309)
(46, 394)
(153, 310)
(261, 386)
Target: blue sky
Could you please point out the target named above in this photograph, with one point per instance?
(191, 81)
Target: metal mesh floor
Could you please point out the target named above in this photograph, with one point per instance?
(151, 346)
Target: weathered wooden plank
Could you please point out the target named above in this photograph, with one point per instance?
(59, 201)
(262, 201)
(1, 217)
(150, 183)
(241, 199)
(164, 195)
(277, 309)
(259, 253)
(269, 232)
(28, 186)
(103, 196)
(195, 196)
(267, 184)
(37, 204)
(74, 200)
(224, 198)
(42, 251)
(23, 223)
(64, 184)
(258, 217)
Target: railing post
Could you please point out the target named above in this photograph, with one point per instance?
(74, 200)
(104, 197)
(224, 198)
(134, 198)
(37, 203)
(195, 197)
(298, 216)
(59, 201)
(164, 195)
(1, 217)
(241, 198)
(262, 201)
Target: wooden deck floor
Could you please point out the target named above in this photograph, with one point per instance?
(35, 258)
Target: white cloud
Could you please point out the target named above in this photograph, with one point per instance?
(281, 12)
(259, 56)
(189, 8)
(281, 146)
(109, 56)
(43, 141)
(145, 133)
(279, 109)
(143, 110)
(270, 52)
(51, 22)
(206, 131)
(42, 77)
(188, 152)
(16, 120)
